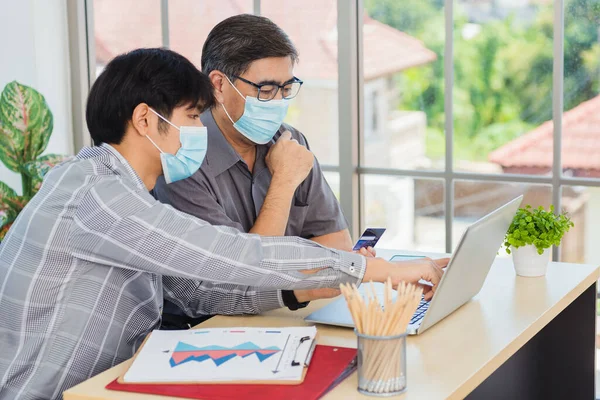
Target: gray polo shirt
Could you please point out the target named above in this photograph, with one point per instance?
(225, 192)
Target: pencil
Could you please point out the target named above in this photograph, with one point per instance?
(381, 359)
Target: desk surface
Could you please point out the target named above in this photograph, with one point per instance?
(451, 358)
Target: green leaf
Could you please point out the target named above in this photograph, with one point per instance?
(39, 168)
(8, 211)
(10, 207)
(26, 124)
(6, 192)
(11, 148)
(15, 204)
(4, 227)
(537, 227)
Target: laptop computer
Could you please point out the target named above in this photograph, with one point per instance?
(463, 278)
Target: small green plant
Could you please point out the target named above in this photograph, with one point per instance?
(25, 127)
(537, 227)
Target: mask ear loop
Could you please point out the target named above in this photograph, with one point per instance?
(164, 119)
(167, 121)
(223, 105)
(152, 141)
(236, 89)
(226, 113)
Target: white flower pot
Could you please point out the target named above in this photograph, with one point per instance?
(528, 262)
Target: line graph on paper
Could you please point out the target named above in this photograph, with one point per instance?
(219, 355)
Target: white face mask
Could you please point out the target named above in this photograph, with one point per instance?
(190, 155)
(261, 119)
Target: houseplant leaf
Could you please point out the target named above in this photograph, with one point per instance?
(10, 207)
(537, 227)
(16, 204)
(6, 192)
(24, 112)
(39, 168)
(4, 227)
(11, 147)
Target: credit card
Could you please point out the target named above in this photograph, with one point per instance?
(369, 238)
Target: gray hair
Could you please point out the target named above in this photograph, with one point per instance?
(234, 43)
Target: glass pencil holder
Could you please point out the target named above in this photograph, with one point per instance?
(381, 364)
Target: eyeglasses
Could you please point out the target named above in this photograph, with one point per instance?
(268, 91)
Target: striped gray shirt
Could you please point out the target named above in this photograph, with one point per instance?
(84, 269)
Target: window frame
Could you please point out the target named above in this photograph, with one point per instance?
(351, 169)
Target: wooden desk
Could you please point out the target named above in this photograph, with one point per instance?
(519, 338)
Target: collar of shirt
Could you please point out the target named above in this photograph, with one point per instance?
(221, 155)
(114, 160)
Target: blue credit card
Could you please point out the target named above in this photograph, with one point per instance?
(369, 238)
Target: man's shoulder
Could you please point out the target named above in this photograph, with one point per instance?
(74, 175)
(296, 134)
(105, 174)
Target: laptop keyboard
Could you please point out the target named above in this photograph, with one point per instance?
(420, 312)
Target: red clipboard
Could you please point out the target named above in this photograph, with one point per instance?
(329, 366)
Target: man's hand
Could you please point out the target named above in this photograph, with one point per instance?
(367, 252)
(378, 270)
(315, 294)
(289, 161)
(423, 269)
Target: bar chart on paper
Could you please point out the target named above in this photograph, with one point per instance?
(222, 355)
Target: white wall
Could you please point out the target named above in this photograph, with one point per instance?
(35, 52)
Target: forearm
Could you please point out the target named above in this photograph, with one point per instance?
(206, 298)
(163, 241)
(340, 240)
(274, 214)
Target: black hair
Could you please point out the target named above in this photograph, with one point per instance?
(234, 43)
(160, 78)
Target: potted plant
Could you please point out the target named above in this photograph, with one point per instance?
(25, 127)
(530, 237)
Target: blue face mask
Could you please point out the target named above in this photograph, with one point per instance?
(261, 119)
(190, 155)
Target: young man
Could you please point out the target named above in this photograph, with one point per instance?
(81, 269)
(250, 62)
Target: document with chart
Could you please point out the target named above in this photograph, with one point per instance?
(224, 355)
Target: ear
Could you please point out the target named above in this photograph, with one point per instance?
(218, 80)
(143, 119)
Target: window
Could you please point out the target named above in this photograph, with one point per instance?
(498, 119)
(190, 21)
(502, 92)
(581, 127)
(122, 25)
(333, 179)
(312, 28)
(411, 210)
(581, 97)
(474, 76)
(372, 115)
(475, 199)
(583, 206)
(403, 46)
